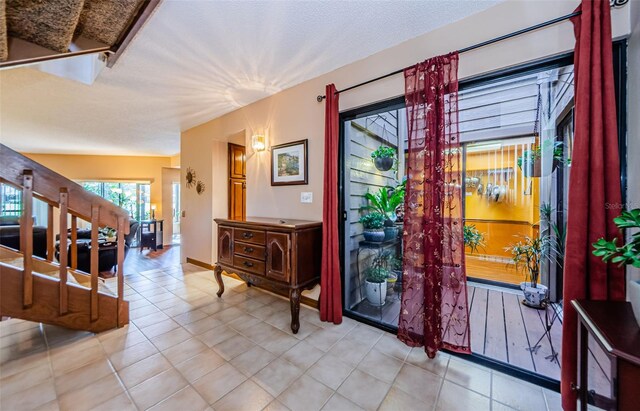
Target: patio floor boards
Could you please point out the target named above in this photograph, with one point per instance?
(505, 330)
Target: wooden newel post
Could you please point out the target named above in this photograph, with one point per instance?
(26, 237)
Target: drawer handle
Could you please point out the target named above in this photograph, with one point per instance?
(248, 264)
(247, 235)
(248, 250)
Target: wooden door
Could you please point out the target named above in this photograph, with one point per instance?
(225, 245)
(278, 266)
(237, 162)
(237, 182)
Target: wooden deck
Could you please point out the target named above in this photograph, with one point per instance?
(505, 330)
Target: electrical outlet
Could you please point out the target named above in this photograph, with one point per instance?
(306, 197)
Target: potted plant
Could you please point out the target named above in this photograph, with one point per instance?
(528, 255)
(383, 158)
(385, 201)
(473, 238)
(530, 162)
(627, 254)
(110, 234)
(375, 279)
(373, 224)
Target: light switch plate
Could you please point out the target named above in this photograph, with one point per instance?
(306, 197)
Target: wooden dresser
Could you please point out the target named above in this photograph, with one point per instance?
(279, 254)
(613, 327)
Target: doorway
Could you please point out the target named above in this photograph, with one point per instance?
(237, 182)
(175, 213)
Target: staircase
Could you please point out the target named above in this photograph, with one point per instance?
(46, 291)
(34, 30)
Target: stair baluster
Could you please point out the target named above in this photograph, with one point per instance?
(64, 298)
(26, 237)
(74, 242)
(95, 221)
(50, 236)
(120, 266)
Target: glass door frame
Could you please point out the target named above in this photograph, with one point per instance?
(620, 80)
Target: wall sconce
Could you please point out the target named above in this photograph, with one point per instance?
(258, 142)
(153, 211)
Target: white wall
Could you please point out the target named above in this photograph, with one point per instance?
(294, 114)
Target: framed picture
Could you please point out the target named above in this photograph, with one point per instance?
(289, 164)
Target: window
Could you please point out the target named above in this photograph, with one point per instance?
(133, 197)
(10, 200)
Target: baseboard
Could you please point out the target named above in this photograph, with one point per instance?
(200, 264)
(309, 302)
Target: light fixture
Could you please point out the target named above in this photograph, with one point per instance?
(258, 142)
(153, 211)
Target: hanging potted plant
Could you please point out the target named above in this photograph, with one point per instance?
(626, 254)
(373, 224)
(528, 256)
(383, 158)
(375, 280)
(530, 163)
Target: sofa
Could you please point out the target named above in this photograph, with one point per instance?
(107, 251)
(10, 235)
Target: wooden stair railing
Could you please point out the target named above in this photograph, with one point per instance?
(37, 181)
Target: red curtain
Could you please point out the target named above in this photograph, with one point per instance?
(594, 191)
(330, 286)
(434, 310)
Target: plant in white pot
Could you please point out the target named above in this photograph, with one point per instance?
(626, 254)
(528, 255)
(375, 280)
(373, 224)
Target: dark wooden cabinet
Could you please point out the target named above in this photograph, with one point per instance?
(151, 233)
(612, 326)
(282, 255)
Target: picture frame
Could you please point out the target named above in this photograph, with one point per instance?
(290, 164)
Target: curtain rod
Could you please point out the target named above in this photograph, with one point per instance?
(612, 3)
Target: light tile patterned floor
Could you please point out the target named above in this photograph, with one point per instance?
(185, 349)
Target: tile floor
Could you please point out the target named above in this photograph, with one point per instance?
(185, 349)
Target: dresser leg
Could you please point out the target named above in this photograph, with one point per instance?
(218, 274)
(294, 298)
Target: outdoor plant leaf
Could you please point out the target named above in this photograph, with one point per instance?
(628, 253)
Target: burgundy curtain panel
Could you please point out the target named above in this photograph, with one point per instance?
(330, 285)
(434, 311)
(594, 190)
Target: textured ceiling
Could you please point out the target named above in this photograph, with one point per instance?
(196, 60)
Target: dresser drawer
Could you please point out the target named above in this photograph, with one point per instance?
(248, 264)
(249, 250)
(249, 236)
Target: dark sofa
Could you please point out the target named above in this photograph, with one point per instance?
(10, 235)
(107, 251)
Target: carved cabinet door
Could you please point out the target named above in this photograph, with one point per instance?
(278, 265)
(225, 245)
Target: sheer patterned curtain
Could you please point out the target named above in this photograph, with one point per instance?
(434, 311)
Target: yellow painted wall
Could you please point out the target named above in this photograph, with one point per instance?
(110, 168)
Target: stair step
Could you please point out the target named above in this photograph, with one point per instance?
(4, 41)
(105, 21)
(47, 24)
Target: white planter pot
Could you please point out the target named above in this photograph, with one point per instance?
(376, 293)
(634, 298)
(533, 296)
